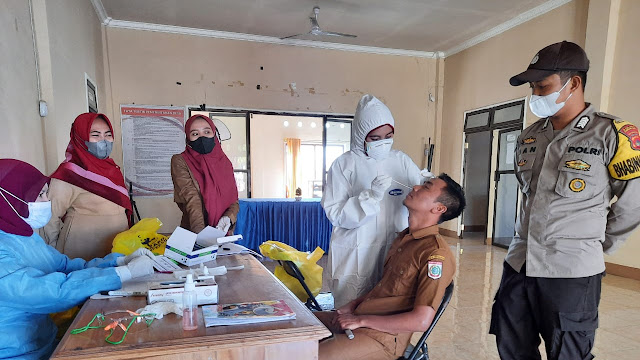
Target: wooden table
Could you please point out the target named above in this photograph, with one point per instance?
(165, 339)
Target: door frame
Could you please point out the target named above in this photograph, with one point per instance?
(491, 127)
(496, 178)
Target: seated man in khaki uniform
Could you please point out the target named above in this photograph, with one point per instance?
(418, 269)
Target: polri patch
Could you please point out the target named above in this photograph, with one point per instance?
(434, 269)
(577, 165)
(577, 185)
(631, 132)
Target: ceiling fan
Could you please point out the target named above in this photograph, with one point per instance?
(315, 28)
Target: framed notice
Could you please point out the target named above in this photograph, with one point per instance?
(150, 136)
(92, 95)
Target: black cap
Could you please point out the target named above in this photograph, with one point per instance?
(553, 58)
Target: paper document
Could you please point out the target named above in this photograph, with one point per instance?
(164, 264)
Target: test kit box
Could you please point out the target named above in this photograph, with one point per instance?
(190, 249)
(206, 291)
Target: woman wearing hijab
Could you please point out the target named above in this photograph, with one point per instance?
(88, 193)
(35, 279)
(363, 203)
(204, 186)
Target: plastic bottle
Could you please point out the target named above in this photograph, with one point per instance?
(189, 305)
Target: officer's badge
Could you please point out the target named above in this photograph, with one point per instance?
(582, 123)
(529, 140)
(577, 185)
(434, 269)
(577, 165)
(522, 162)
(631, 132)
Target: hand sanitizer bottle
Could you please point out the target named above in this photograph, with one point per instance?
(189, 305)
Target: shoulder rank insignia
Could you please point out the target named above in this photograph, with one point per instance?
(582, 123)
(577, 185)
(434, 269)
(436, 257)
(522, 162)
(577, 165)
(625, 164)
(529, 140)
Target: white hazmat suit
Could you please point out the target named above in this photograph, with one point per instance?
(364, 206)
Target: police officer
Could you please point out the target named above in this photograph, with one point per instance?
(570, 164)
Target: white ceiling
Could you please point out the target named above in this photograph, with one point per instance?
(421, 25)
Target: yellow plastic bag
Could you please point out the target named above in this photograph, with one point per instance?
(306, 262)
(142, 234)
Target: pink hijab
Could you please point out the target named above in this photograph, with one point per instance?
(214, 173)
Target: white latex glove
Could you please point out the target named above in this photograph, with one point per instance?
(426, 174)
(379, 186)
(161, 309)
(224, 224)
(123, 260)
(138, 267)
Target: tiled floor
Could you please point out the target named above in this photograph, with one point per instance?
(463, 330)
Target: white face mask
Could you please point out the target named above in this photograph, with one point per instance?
(39, 212)
(379, 149)
(545, 106)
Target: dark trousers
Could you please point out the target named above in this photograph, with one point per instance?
(564, 312)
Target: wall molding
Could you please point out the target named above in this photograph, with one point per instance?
(520, 19)
(100, 11)
(622, 270)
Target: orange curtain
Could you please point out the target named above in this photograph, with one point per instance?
(293, 174)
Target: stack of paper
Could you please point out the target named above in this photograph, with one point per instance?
(247, 313)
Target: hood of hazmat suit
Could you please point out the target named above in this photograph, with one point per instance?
(364, 227)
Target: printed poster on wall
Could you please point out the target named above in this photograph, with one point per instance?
(150, 136)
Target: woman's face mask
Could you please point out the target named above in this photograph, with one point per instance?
(203, 144)
(39, 211)
(101, 149)
(379, 149)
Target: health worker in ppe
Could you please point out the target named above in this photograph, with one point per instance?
(35, 278)
(363, 202)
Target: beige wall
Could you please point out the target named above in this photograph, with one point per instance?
(479, 76)
(19, 118)
(145, 66)
(75, 48)
(623, 100)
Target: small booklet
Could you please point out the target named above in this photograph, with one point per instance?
(247, 313)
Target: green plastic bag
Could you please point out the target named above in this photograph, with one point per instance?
(306, 262)
(143, 234)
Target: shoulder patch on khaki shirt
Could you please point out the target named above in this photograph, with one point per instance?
(625, 164)
(436, 257)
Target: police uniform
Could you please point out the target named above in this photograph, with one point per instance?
(552, 273)
(417, 270)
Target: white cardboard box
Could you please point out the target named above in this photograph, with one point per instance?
(182, 247)
(206, 291)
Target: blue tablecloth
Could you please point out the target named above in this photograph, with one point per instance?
(301, 224)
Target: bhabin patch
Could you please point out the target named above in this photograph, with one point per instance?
(625, 164)
(577, 185)
(434, 269)
(577, 165)
(529, 140)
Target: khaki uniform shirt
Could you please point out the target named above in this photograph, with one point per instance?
(568, 181)
(418, 269)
